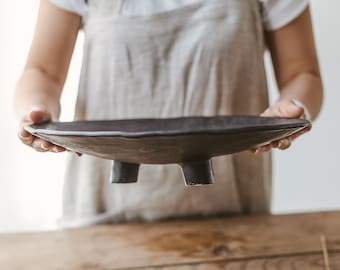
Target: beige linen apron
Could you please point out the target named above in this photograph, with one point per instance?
(204, 59)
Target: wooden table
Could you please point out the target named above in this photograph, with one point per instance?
(258, 242)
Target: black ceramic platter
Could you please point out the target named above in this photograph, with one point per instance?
(190, 142)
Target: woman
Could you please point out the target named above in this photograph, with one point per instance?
(167, 59)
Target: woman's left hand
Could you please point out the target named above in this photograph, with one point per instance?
(283, 108)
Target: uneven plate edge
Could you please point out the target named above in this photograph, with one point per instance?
(33, 131)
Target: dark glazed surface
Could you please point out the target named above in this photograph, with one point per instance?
(167, 126)
(163, 141)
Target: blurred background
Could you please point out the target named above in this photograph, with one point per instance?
(306, 178)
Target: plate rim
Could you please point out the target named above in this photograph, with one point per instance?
(135, 134)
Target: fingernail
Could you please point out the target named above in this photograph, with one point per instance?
(45, 145)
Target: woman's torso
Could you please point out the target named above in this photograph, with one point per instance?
(204, 58)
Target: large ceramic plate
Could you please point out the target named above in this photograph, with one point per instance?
(184, 140)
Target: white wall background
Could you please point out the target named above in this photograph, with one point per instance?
(306, 178)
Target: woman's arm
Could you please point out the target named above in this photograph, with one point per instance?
(38, 92)
(297, 72)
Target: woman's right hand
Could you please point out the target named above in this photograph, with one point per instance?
(36, 116)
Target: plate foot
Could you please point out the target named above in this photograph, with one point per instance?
(124, 173)
(198, 173)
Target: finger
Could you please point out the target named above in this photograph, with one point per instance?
(51, 147)
(274, 111)
(284, 108)
(25, 137)
(274, 144)
(292, 137)
(58, 149)
(268, 112)
(24, 134)
(265, 149)
(262, 149)
(41, 145)
(39, 116)
(35, 116)
(298, 134)
(27, 141)
(45, 146)
(253, 151)
(301, 132)
(36, 145)
(284, 144)
(290, 109)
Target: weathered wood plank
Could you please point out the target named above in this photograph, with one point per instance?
(135, 245)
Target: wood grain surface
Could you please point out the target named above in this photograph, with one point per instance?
(310, 262)
(257, 242)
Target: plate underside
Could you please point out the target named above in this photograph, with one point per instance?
(164, 141)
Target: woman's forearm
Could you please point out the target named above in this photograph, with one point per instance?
(296, 65)
(36, 89)
(37, 97)
(48, 61)
(307, 88)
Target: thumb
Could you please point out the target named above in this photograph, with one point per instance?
(291, 110)
(38, 115)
